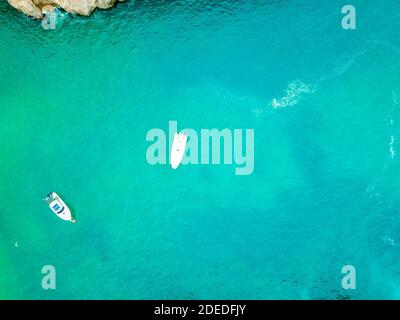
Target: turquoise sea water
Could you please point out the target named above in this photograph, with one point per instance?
(76, 104)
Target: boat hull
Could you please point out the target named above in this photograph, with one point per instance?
(54, 200)
(178, 149)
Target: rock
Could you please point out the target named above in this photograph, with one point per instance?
(47, 9)
(34, 8)
(40, 3)
(84, 7)
(27, 7)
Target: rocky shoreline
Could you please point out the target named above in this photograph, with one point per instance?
(37, 8)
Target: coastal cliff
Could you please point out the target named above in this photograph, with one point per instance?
(36, 8)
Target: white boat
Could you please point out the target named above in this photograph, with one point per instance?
(58, 206)
(178, 149)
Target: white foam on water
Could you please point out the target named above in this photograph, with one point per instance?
(395, 98)
(390, 241)
(392, 141)
(391, 147)
(295, 92)
(257, 111)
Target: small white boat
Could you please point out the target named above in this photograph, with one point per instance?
(178, 149)
(58, 206)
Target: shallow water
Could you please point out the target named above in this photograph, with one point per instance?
(76, 104)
